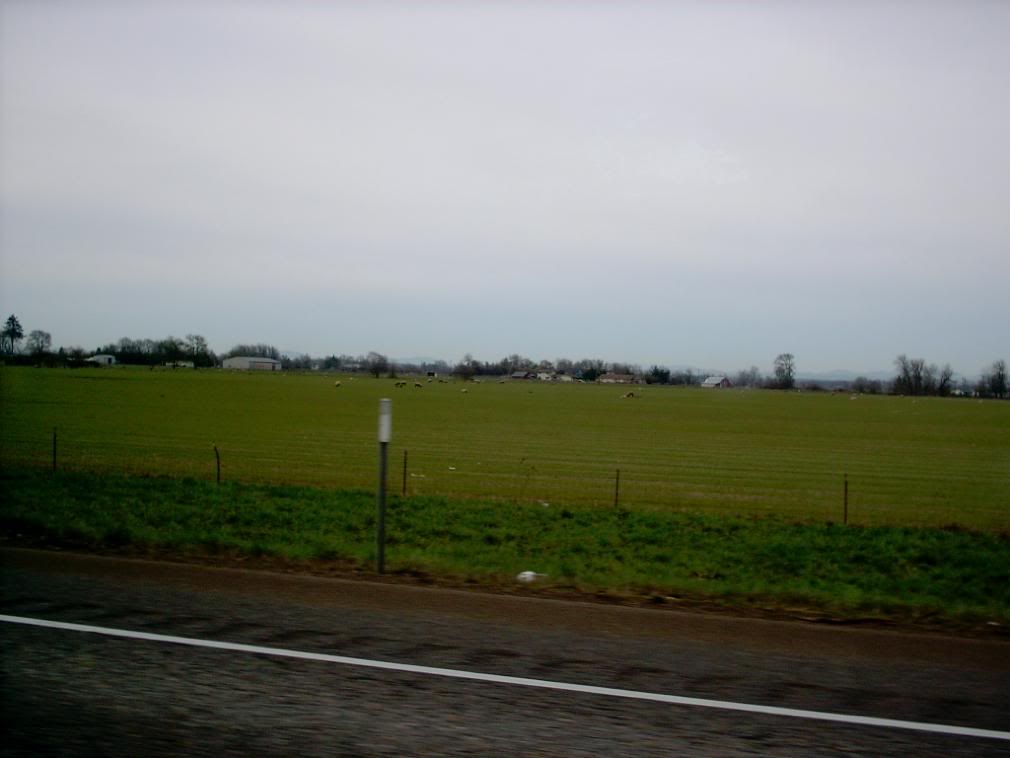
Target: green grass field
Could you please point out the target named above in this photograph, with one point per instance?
(910, 461)
(763, 563)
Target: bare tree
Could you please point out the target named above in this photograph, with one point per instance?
(376, 364)
(39, 342)
(748, 378)
(944, 380)
(916, 377)
(995, 382)
(785, 371)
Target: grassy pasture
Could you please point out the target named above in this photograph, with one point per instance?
(770, 563)
(910, 462)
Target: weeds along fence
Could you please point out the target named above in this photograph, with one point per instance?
(730, 485)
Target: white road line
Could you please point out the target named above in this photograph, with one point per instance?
(725, 705)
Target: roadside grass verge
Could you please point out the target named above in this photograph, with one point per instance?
(767, 562)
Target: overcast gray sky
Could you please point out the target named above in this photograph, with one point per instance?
(686, 183)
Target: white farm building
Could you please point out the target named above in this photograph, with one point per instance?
(252, 363)
(717, 382)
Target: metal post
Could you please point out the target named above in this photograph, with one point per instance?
(385, 432)
(217, 455)
(617, 488)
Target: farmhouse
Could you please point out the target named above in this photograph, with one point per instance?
(252, 363)
(102, 360)
(523, 375)
(717, 382)
(610, 378)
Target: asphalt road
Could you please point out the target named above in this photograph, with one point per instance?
(72, 693)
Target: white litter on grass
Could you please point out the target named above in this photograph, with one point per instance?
(452, 468)
(545, 504)
(526, 577)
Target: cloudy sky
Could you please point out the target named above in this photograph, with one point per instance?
(685, 183)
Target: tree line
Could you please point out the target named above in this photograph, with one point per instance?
(914, 376)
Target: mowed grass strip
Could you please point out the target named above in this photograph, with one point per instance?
(909, 461)
(768, 562)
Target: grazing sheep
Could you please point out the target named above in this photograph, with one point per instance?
(628, 394)
(418, 385)
(463, 390)
(401, 384)
(336, 384)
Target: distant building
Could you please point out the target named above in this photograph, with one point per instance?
(610, 378)
(102, 360)
(523, 375)
(180, 364)
(252, 363)
(717, 382)
(545, 376)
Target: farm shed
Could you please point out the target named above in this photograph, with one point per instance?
(523, 375)
(610, 378)
(252, 363)
(102, 360)
(717, 382)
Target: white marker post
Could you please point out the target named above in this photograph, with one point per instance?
(385, 434)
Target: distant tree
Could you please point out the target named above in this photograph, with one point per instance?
(590, 369)
(434, 367)
(994, 383)
(303, 362)
(915, 377)
(259, 350)
(625, 368)
(376, 364)
(785, 371)
(687, 378)
(658, 375)
(748, 378)
(866, 386)
(515, 362)
(467, 368)
(39, 342)
(171, 349)
(944, 380)
(198, 351)
(11, 335)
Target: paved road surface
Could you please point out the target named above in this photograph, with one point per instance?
(71, 693)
